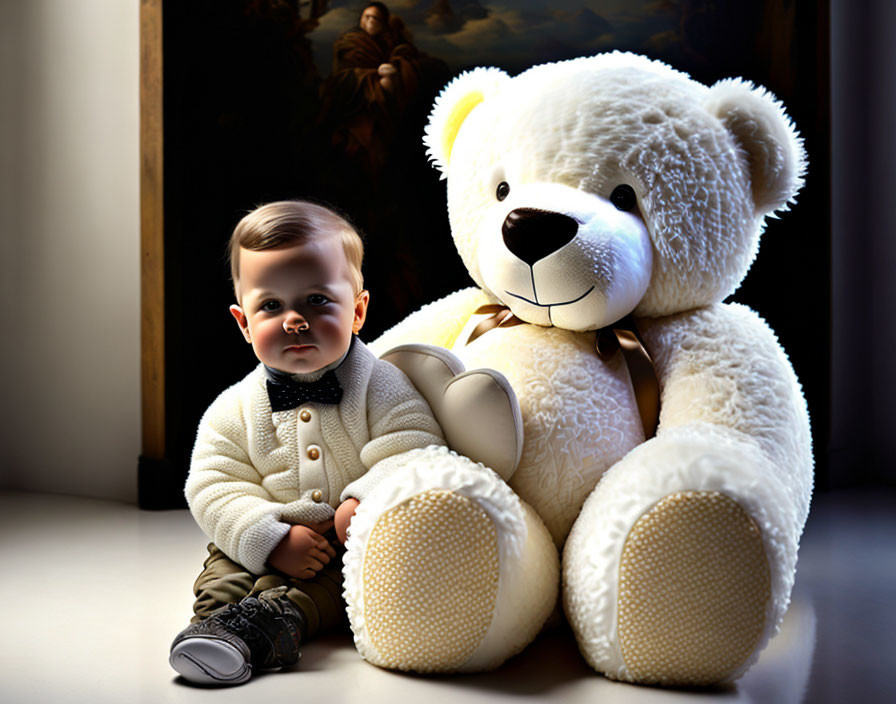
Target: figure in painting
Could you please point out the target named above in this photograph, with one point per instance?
(377, 77)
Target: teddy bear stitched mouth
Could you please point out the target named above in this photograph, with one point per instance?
(549, 305)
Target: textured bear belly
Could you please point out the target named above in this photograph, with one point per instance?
(579, 414)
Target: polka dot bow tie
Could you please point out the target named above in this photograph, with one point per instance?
(286, 393)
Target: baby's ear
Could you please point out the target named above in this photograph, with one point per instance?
(361, 302)
(241, 320)
(758, 123)
(454, 104)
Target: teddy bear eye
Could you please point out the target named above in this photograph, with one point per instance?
(502, 191)
(623, 197)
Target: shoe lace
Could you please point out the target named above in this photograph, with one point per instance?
(238, 616)
(241, 619)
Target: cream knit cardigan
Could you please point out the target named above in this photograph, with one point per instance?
(251, 476)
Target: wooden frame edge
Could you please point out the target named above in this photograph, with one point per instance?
(152, 249)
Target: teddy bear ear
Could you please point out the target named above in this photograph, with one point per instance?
(454, 104)
(760, 126)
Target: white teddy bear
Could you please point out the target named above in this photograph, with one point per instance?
(579, 193)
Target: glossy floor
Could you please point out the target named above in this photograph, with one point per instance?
(93, 592)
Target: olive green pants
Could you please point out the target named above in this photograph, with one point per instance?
(223, 581)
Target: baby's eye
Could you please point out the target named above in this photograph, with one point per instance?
(318, 299)
(270, 306)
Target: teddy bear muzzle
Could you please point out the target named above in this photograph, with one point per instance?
(562, 257)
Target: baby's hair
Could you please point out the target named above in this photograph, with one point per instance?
(292, 222)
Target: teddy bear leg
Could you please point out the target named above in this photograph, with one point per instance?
(446, 569)
(679, 568)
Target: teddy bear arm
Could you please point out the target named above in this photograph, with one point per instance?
(438, 323)
(477, 410)
(722, 366)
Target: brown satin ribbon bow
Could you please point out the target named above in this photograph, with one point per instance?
(621, 335)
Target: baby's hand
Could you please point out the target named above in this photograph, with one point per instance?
(303, 552)
(343, 517)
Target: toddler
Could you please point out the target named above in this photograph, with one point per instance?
(283, 457)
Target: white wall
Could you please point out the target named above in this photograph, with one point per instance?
(69, 232)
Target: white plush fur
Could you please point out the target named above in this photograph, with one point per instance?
(452, 107)
(706, 165)
(579, 415)
(762, 128)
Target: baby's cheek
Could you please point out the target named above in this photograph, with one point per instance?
(268, 334)
(334, 324)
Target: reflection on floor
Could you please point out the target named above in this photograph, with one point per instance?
(94, 592)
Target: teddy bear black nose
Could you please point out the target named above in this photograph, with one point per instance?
(532, 234)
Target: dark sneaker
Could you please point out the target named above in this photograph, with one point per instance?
(262, 633)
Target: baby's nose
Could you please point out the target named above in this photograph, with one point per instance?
(294, 322)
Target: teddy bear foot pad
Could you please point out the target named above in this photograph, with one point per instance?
(694, 591)
(431, 573)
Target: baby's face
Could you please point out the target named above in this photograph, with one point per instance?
(299, 307)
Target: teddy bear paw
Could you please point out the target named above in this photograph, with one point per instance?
(477, 410)
(430, 581)
(694, 591)
(446, 570)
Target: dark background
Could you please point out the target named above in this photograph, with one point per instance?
(241, 97)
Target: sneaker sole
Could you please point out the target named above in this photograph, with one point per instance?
(694, 589)
(210, 661)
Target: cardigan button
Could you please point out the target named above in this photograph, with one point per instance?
(305, 416)
(317, 495)
(313, 453)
